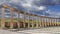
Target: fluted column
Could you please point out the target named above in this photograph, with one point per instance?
(32, 21)
(46, 22)
(55, 22)
(50, 21)
(28, 20)
(58, 21)
(24, 20)
(11, 18)
(42, 21)
(3, 18)
(18, 23)
(39, 22)
(36, 21)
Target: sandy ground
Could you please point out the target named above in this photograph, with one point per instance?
(49, 30)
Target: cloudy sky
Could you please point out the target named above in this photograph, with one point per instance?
(49, 8)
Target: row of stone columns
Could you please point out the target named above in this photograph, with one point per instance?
(11, 18)
(42, 22)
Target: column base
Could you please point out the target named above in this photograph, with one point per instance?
(3, 28)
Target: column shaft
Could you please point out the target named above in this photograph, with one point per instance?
(12, 15)
(32, 21)
(28, 20)
(18, 23)
(42, 22)
(46, 22)
(36, 22)
(55, 22)
(50, 21)
(3, 19)
(24, 20)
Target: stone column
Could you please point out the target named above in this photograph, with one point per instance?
(39, 22)
(42, 21)
(24, 20)
(58, 22)
(48, 22)
(55, 22)
(18, 23)
(11, 18)
(3, 18)
(51, 22)
(36, 22)
(28, 20)
(45, 22)
(32, 21)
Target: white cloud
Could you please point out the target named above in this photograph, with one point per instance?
(42, 8)
(48, 11)
(53, 13)
(26, 5)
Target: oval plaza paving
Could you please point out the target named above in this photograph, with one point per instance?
(39, 22)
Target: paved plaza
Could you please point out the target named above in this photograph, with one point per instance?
(48, 30)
